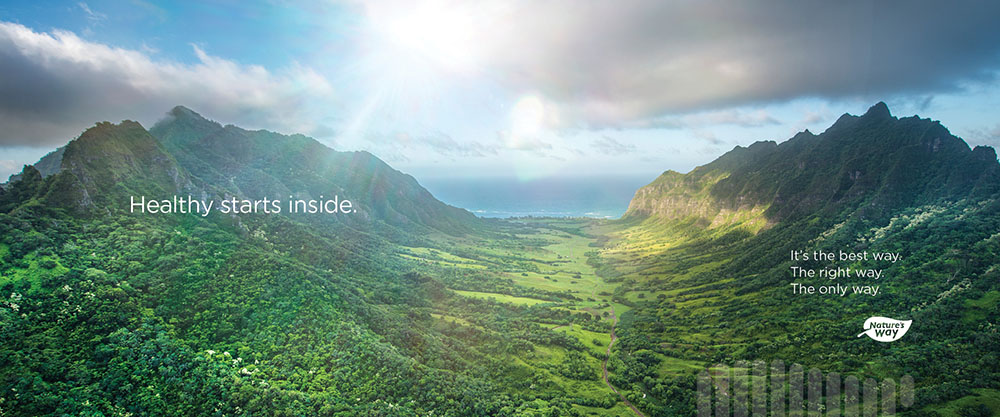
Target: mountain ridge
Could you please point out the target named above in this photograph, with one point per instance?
(261, 163)
(829, 171)
(185, 153)
(707, 258)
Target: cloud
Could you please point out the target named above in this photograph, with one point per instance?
(444, 144)
(733, 117)
(433, 142)
(56, 84)
(520, 142)
(926, 103)
(989, 136)
(9, 166)
(707, 136)
(323, 131)
(812, 117)
(609, 146)
(615, 63)
(92, 15)
(94, 19)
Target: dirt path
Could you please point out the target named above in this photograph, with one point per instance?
(604, 366)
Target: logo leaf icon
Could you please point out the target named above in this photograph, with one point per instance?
(884, 329)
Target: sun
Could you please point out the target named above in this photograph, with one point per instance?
(445, 35)
(419, 61)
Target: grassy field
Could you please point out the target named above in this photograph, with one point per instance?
(546, 256)
(503, 298)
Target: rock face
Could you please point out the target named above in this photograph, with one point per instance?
(866, 165)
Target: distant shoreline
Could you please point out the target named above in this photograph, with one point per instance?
(596, 198)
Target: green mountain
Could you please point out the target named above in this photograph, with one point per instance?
(254, 164)
(186, 154)
(108, 312)
(412, 307)
(705, 258)
(870, 165)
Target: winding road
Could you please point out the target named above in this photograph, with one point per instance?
(604, 366)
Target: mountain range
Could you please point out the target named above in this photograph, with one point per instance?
(414, 307)
(869, 165)
(186, 154)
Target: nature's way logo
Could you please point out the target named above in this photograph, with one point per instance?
(884, 329)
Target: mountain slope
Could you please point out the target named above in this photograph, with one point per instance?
(115, 313)
(188, 154)
(871, 165)
(704, 257)
(256, 164)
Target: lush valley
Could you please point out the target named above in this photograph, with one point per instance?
(403, 308)
(413, 307)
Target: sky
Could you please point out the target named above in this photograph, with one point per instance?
(522, 89)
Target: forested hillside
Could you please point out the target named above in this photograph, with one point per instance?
(704, 257)
(109, 312)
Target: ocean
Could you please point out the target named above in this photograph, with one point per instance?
(605, 198)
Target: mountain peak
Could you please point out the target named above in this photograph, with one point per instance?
(878, 111)
(870, 158)
(184, 112)
(182, 123)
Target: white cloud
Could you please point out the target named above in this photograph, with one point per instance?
(8, 166)
(94, 19)
(433, 142)
(522, 142)
(989, 136)
(56, 84)
(812, 117)
(609, 146)
(706, 136)
(734, 117)
(91, 15)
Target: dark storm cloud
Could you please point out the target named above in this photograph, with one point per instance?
(628, 60)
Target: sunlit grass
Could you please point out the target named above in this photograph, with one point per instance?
(503, 298)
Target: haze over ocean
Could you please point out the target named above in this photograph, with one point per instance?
(597, 197)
